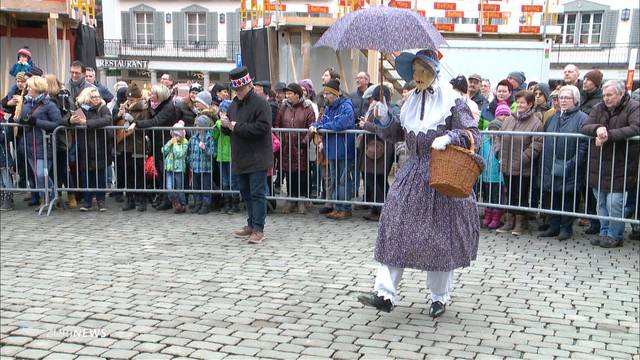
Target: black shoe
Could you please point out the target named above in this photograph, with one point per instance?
(550, 232)
(195, 208)
(564, 235)
(635, 235)
(592, 230)
(544, 227)
(595, 241)
(142, 207)
(164, 206)
(609, 242)
(129, 205)
(203, 210)
(437, 309)
(376, 301)
(325, 210)
(118, 198)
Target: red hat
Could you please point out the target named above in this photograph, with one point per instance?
(25, 52)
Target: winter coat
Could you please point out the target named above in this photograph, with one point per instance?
(294, 154)
(75, 89)
(622, 123)
(10, 109)
(185, 112)
(200, 161)
(251, 136)
(107, 96)
(47, 117)
(275, 108)
(383, 163)
(18, 67)
(162, 116)
(135, 143)
(480, 100)
(6, 137)
(92, 141)
(563, 158)
(223, 143)
(338, 117)
(488, 113)
(590, 99)
(491, 173)
(175, 155)
(516, 153)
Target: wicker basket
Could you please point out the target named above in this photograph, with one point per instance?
(453, 171)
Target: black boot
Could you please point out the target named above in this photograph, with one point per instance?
(594, 228)
(437, 309)
(195, 206)
(227, 206)
(235, 205)
(550, 232)
(565, 234)
(129, 204)
(376, 301)
(165, 205)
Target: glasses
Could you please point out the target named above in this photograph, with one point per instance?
(565, 97)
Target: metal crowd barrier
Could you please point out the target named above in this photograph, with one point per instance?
(104, 160)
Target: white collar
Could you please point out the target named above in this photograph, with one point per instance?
(437, 107)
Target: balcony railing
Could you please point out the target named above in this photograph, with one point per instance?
(603, 54)
(220, 50)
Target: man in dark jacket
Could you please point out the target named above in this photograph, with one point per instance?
(248, 122)
(90, 77)
(613, 162)
(77, 82)
(591, 93)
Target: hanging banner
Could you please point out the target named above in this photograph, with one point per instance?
(445, 27)
(454, 14)
(531, 8)
(444, 6)
(316, 9)
(488, 7)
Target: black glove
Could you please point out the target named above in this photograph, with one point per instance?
(30, 120)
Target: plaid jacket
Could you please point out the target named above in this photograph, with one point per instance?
(201, 160)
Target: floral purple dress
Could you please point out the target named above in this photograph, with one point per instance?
(419, 227)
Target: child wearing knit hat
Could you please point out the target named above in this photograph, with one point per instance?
(201, 154)
(23, 64)
(175, 155)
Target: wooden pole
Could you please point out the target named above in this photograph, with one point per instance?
(7, 58)
(63, 62)
(52, 24)
(306, 54)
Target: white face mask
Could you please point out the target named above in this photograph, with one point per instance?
(422, 75)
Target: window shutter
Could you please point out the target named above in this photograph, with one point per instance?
(609, 28)
(179, 29)
(158, 28)
(634, 37)
(233, 34)
(212, 28)
(126, 19)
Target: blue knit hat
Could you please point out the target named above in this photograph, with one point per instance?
(224, 105)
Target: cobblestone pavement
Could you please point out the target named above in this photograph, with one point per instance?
(157, 286)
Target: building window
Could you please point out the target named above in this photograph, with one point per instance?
(580, 28)
(144, 28)
(196, 28)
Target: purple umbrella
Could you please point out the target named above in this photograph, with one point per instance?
(382, 28)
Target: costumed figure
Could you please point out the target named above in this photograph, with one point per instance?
(419, 227)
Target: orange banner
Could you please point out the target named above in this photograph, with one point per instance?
(445, 27)
(422, 13)
(531, 8)
(400, 4)
(356, 3)
(315, 9)
(275, 7)
(454, 14)
(630, 79)
(488, 7)
(444, 6)
(492, 15)
(488, 28)
(530, 29)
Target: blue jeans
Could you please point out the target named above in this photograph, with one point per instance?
(253, 188)
(342, 182)
(610, 204)
(93, 179)
(229, 180)
(201, 181)
(37, 166)
(174, 180)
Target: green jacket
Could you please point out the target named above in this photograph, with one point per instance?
(223, 143)
(175, 156)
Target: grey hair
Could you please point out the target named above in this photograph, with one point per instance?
(161, 91)
(575, 93)
(618, 84)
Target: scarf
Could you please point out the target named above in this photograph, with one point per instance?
(525, 115)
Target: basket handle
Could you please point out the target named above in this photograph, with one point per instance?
(472, 143)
